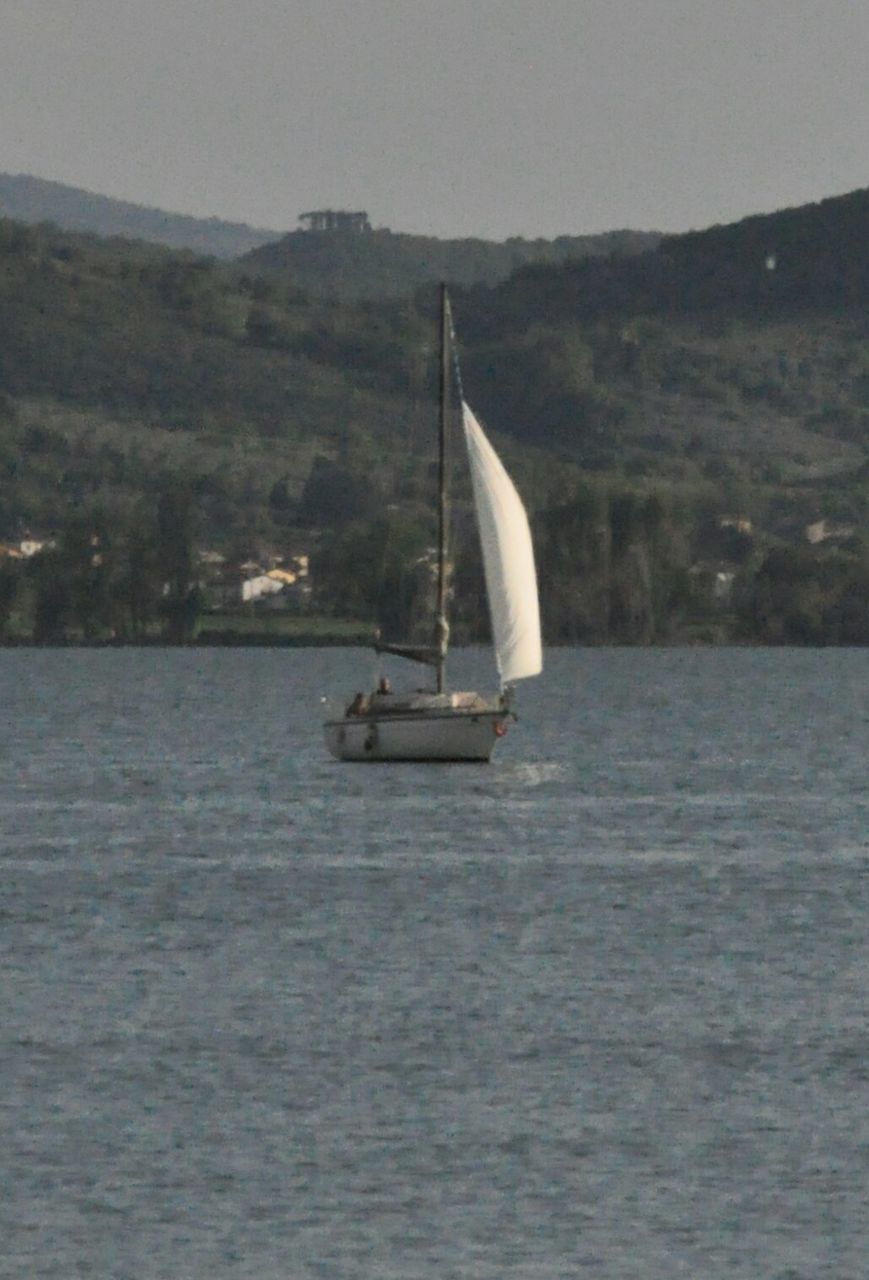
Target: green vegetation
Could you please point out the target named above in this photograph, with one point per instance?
(675, 421)
(348, 266)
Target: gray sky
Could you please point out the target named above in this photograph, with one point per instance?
(447, 117)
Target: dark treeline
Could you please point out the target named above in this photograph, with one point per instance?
(109, 578)
(616, 566)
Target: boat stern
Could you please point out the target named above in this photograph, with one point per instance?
(415, 733)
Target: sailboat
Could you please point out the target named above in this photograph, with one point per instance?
(439, 724)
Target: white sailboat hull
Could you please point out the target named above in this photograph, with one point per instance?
(451, 734)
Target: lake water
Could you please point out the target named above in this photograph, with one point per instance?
(599, 1008)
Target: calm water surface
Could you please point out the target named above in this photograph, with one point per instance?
(596, 1009)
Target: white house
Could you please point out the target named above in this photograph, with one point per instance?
(263, 585)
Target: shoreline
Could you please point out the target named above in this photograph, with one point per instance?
(211, 640)
(240, 640)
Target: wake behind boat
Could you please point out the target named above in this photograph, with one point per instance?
(439, 725)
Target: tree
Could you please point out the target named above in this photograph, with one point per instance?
(280, 501)
(10, 580)
(573, 539)
(140, 580)
(787, 598)
(182, 600)
(379, 572)
(334, 496)
(88, 553)
(53, 596)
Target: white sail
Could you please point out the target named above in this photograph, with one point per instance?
(508, 559)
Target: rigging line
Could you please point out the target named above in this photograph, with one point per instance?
(454, 351)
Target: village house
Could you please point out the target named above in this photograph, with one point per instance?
(740, 523)
(32, 546)
(267, 577)
(824, 530)
(25, 548)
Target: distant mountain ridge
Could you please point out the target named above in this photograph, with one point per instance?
(34, 200)
(336, 264)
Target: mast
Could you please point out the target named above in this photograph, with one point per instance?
(442, 630)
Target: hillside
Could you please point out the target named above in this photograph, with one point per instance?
(34, 200)
(809, 260)
(347, 266)
(746, 343)
(676, 420)
(122, 364)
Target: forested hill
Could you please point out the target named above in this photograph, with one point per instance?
(811, 258)
(34, 200)
(675, 421)
(347, 265)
